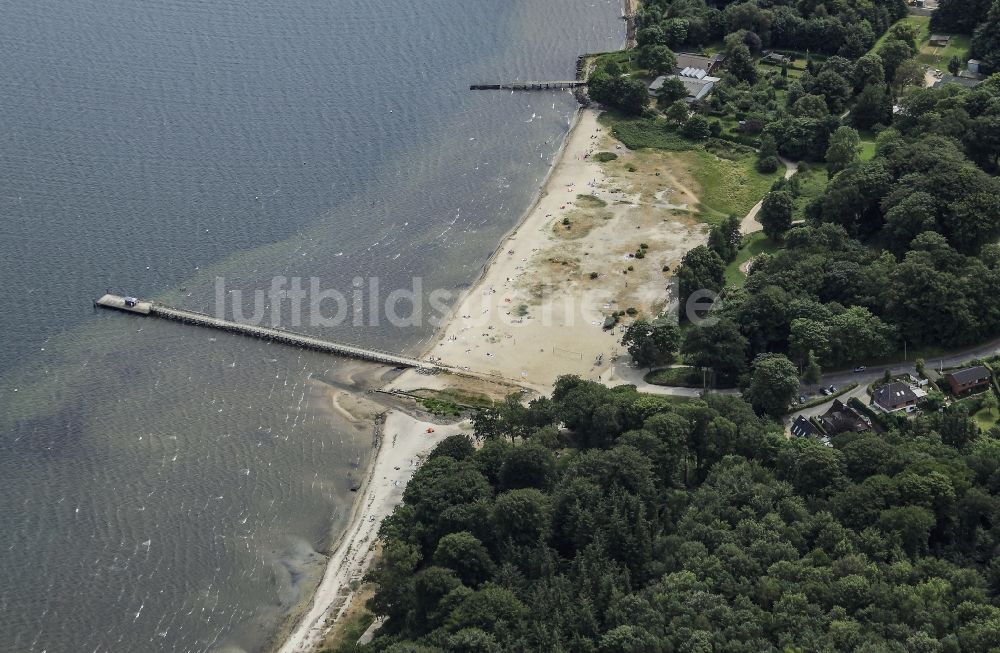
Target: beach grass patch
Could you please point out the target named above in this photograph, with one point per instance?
(590, 202)
(604, 157)
(657, 134)
(579, 223)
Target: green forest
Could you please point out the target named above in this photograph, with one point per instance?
(645, 525)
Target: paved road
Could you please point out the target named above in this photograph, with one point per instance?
(864, 379)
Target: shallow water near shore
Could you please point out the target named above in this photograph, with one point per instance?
(168, 488)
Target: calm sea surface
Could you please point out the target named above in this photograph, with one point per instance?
(166, 488)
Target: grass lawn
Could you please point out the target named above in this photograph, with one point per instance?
(726, 176)
(754, 244)
(867, 148)
(683, 377)
(812, 183)
(936, 57)
(729, 186)
(680, 377)
(922, 23)
(985, 419)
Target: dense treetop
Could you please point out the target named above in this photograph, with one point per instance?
(655, 526)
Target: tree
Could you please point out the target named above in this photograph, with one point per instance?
(776, 213)
(767, 155)
(868, 70)
(872, 107)
(719, 346)
(844, 150)
(696, 128)
(808, 337)
(958, 16)
(464, 554)
(911, 525)
(653, 343)
(894, 52)
(529, 465)
(908, 73)
(456, 446)
(521, 516)
(677, 112)
(658, 59)
(813, 373)
(857, 335)
(725, 238)
(990, 402)
(986, 39)
(626, 93)
(834, 88)
(954, 65)
(673, 89)
(700, 269)
(741, 65)
(773, 383)
(811, 106)
(675, 31)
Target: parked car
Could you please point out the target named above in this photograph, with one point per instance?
(860, 368)
(824, 391)
(833, 389)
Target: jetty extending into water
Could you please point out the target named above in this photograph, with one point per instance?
(528, 86)
(140, 307)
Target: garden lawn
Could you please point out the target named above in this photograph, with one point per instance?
(938, 58)
(754, 244)
(985, 419)
(922, 23)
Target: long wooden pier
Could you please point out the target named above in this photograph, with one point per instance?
(528, 86)
(133, 305)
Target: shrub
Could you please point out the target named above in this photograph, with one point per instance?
(768, 164)
(604, 157)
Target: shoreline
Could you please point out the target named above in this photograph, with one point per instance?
(536, 198)
(402, 444)
(373, 504)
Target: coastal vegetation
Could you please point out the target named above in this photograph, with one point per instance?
(644, 524)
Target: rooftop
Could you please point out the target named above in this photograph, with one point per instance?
(970, 375)
(895, 395)
(802, 427)
(967, 82)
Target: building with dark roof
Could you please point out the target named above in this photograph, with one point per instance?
(841, 418)
(803, 428)
(970, 379)
(895, 396)
(962, 80)
(689, 60)
(775, 59)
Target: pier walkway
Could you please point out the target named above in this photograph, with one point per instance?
(133, 305)
(528, 86)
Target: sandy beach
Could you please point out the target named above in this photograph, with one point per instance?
(538, 311)
(405, 441)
